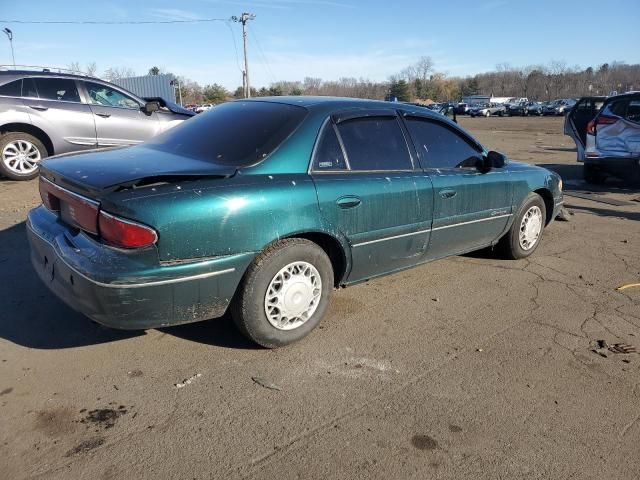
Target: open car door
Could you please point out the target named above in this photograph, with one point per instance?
(575, 122)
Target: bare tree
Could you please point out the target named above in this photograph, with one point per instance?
(116, 73)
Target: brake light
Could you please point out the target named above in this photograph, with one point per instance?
(123, 233)
(606, 120)
(75, 209)
(601, 120)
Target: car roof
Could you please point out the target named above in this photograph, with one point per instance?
(335, 102)
(37, 73)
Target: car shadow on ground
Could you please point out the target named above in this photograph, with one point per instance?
(35, 318)
(31, 315)
(217, 332)
(607, 212)
(573, 178)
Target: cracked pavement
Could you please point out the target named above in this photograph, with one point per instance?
(470, 367)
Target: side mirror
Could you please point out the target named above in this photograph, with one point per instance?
(151, 107)
(494, 160)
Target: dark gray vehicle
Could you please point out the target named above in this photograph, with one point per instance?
(45, 113)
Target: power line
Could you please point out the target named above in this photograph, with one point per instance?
(235, 47)
(264, 58)
(124, 22)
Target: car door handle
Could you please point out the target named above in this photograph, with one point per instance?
(350, 201)
(103, 115)
(40, 108)
(448, 193)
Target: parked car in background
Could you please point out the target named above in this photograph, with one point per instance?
(535, 108)
(607, 136)
(487, 110)
(558, 107)
(46, 113)
(263, 206)
(204, 108)
(518, 108)
(462, 108)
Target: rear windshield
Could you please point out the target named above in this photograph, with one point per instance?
(237, 133)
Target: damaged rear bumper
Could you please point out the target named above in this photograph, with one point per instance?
(129, 290)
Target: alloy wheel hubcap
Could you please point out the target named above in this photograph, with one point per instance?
(21, 157)
(293, 296)
(530, 228)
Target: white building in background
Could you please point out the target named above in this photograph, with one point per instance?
(475, 99)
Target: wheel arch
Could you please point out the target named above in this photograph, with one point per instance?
(31, 130)
(336, 250)
(547, 197)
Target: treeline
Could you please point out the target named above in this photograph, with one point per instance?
(421, 82)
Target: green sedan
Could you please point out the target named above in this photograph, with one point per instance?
(263, 207)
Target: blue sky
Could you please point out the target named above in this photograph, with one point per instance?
(291, 39)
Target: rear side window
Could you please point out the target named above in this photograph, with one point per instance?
(11, 89)
(238, 133)
(375, 143)
(62, 89)
(618, 107)
(633, 111)
(441, 147)
(329, 154)
(29, 88)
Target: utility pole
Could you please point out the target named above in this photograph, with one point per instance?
(9, 35)
(243, 19)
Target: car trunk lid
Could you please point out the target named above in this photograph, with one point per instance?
(102, 172)
(73, 186)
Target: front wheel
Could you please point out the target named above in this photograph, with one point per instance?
(20, 155)
(488, 114)
(525, 233)
(284, 293)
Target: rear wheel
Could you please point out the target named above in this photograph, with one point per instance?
(593, 174)
(20, 155)
(284, 294)
(525, 233)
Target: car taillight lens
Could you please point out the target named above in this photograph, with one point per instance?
(123, 233)
(601, 120)
(74, 209)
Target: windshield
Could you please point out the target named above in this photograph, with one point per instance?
(236, 133)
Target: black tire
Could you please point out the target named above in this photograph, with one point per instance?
(509, 245)
(248, 307)
(593, 175)
(12, 137)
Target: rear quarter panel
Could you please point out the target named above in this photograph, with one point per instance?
(13, 110)
(222, 217)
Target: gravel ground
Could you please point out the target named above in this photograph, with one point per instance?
(470, 367)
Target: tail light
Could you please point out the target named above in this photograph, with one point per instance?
(74, 209)
(122, 233)
(85, 214)
(600, 120)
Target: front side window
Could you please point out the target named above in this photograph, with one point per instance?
(62, 89)
(441, 147)
(11, 89)
(375, 143)
(109, 97)
(329, 154)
